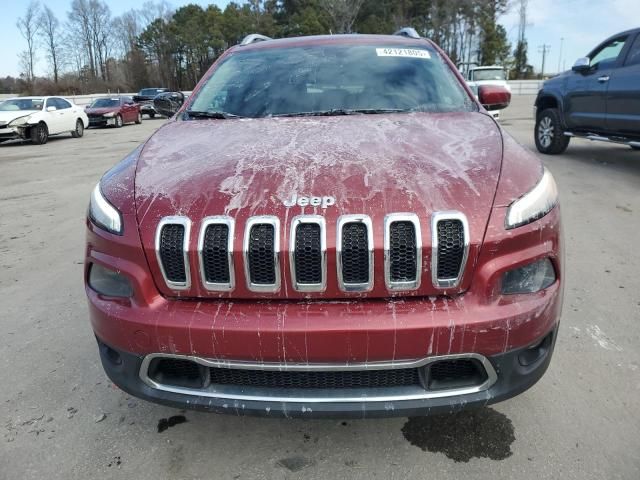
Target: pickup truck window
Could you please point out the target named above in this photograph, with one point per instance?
(634, 53)
(608, 52)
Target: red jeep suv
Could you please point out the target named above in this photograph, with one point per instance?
(329, 226)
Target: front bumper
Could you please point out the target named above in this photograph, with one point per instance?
(8, 133)
(101, 121)
(510, 377)
(147, 108)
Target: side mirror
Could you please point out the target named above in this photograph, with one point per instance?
(582, 64)
(168, 103)
(51, 109)
(494, 97)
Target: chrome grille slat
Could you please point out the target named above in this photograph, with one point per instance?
(354, 247)
(215, 253)
(308, 253)
(262, 254)
(449, 248)
(172, 248)
(402, 261)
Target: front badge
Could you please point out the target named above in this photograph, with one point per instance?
(312, 201)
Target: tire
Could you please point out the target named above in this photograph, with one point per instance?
(119, 122)
(79, 131)
(39, 134)
(151, 115)
(549, 134)
(139, 119)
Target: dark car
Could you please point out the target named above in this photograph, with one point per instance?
(113, 111)
(145, 99)
(329, 226)
(598, 99)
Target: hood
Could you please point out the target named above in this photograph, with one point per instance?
(6, 117)
(101, 111)
(371, 164)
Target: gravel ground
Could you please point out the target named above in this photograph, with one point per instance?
(61, 418)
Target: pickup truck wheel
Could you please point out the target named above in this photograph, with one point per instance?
(79, 131)
(549, 134)
(151, 115)
(39, 134)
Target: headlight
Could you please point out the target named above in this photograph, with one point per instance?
(531, 278)
(19, 121)
(103, 214)
(109, 115)
(535, 204)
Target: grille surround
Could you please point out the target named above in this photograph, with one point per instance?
(275, 223)
(342, 221)
(295, 224)
(186, 224)
(230, 224)
(403, 285)
(452, 282)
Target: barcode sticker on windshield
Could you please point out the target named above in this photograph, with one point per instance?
(402, 52)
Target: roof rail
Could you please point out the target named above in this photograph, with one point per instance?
(253, 38)
(407, 32)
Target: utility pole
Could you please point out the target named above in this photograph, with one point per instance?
(560, 54)
(544, 49)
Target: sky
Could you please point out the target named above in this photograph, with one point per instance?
(582, 24)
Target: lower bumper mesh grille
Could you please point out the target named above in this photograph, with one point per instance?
(318, 380)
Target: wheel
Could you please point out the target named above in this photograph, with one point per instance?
(151, 115)
(119, 122)
(139, 119)
(79, 131)
(549, 134)
(39, 134)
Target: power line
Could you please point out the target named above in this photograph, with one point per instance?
(544, 49)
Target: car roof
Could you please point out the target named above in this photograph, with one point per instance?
(347, 39)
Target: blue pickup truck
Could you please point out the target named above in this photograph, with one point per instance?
(598, 99)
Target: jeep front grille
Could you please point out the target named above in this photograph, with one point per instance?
(307, 252)
(450, 247)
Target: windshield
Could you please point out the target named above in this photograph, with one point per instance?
(489, 74)
(151, 92)
(105, 103)
(330, 80)
(17, 104)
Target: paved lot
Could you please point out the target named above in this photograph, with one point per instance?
(61, 419)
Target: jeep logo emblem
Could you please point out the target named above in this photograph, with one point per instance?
(323, 202)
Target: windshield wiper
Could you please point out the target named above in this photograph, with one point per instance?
(343, 111)
(210, 114)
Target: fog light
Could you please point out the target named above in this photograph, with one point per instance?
(108, 282)
(531, 278)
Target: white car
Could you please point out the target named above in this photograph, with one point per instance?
(37, 118)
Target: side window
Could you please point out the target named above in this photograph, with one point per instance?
(608, 53)
(61, 104)
(633, 58)
(51, 102)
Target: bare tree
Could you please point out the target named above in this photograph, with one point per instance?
(28, 26)
(49, 30)
(342, 13)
